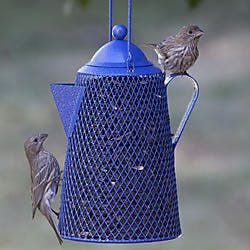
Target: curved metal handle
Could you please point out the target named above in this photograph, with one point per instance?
(189, 108)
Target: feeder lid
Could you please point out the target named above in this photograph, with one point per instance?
(113, 57)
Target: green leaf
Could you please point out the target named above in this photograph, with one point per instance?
(193, 3)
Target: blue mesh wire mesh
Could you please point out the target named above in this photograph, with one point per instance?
(119, 179)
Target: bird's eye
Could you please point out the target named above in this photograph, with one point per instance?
(35, 140)
(190, 32)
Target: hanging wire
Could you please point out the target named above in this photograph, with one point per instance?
(110, 19)
(130, 64)
(129, 24)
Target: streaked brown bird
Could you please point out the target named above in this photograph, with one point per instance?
(45, 177)
(176, 54)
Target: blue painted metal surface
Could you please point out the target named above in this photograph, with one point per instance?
(189, 108)
(119, 183)
(68, 98)
(114, 57)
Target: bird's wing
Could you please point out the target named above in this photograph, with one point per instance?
(55, 175)
(47, 171)
(166, 46)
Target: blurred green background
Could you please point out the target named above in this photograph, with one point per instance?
(42, 42)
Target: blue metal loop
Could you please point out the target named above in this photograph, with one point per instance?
(130, 63)
(189, 108)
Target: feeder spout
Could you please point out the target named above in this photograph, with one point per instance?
(67, 98)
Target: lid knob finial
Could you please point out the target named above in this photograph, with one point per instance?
(119, 31)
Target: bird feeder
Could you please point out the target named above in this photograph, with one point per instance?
(119, 183)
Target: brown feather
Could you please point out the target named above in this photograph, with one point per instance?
(176, 54)
(45, 177)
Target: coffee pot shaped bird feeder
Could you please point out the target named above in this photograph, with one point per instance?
(119, 183)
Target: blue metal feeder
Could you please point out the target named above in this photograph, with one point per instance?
(119, 182)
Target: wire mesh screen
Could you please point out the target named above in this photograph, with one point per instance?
(119, 180)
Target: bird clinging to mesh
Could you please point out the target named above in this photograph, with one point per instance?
(45, 177)
(176, 54)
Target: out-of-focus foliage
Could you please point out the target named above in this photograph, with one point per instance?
(83, 3)
(191, 3)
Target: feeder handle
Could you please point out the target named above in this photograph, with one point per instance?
(130, 63)
(189, 108)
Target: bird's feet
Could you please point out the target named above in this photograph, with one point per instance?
(56, 213)
(185, 73)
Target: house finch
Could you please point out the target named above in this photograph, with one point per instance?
(176, 54)
(45, 177)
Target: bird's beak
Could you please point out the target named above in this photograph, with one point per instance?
(200, 33)
(43, 137)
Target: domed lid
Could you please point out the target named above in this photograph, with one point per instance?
(119, 57)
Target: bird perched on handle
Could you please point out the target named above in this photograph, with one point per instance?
(45, 177)
(176, 54)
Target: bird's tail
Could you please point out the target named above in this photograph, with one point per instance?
(53, 224)
(150, 45)
(33, 213)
